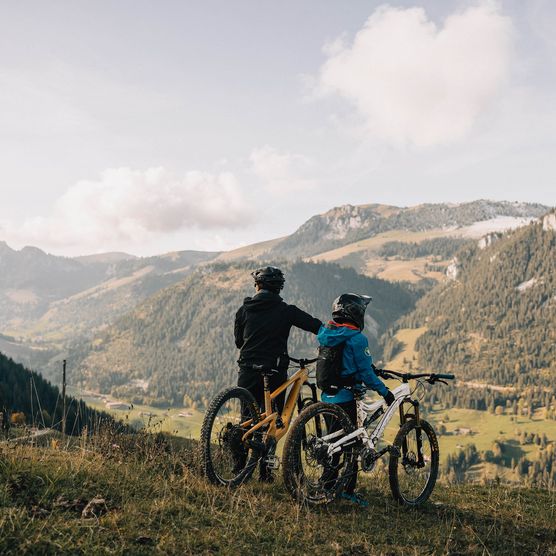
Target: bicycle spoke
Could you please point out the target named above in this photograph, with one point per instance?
(227, 459)
(416, 465)
(413, 472)
(316, 474)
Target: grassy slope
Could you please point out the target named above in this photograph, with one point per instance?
(157, 502)
(408, 337)
(373, 265)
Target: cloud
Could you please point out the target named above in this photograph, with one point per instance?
(416, 83)
(281, 173)
(128, 205)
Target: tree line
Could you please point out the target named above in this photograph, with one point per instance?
(34, 401)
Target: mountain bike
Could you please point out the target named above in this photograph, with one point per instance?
(235, 435)
(324, 449)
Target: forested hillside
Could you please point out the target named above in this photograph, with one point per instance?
(179, 343)
(29, 394)
(46, 300)
(494, 322)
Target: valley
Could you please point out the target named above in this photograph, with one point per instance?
(152, 336)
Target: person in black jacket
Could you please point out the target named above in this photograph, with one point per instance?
(262, 326)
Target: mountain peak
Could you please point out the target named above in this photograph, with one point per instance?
(32, 252)
(4, 247)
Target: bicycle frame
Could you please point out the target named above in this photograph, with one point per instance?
(402, 394)
(278, 423)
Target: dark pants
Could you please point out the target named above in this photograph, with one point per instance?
(351, 409)
(253, 381)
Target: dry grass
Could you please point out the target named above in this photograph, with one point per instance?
(374, 243)
(411, 270)
(156, 502)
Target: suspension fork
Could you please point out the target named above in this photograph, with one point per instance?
(314, 397)
(418, 430)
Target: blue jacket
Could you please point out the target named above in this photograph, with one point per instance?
(357, 359)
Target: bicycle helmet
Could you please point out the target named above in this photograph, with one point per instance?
(351, 307)
(269, 278)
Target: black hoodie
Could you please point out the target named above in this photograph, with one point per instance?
(262, 327)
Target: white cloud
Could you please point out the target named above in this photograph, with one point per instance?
(281, 173)
(417, 83)
(133, 206)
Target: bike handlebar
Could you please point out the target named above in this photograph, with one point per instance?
(431, 377)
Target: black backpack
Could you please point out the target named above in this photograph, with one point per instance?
(329, 368)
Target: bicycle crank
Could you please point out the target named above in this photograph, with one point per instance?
(272, 462)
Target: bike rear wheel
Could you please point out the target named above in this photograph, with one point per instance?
(225, 459)
(311, 475)
(414, 468)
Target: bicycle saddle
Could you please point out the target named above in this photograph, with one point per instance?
(265, 371)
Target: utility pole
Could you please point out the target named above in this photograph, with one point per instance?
(31, 394)
(64, 397)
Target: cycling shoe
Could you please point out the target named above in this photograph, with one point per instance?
(355, 498)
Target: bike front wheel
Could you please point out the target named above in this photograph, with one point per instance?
(413, 466)
(227, 460)
(311, 474)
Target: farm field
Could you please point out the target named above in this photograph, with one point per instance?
(485, 428)
(181, 421)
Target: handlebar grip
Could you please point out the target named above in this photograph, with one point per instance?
(446, 377)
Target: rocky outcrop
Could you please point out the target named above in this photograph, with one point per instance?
(452, 270)
(549, 222)
(488, 240)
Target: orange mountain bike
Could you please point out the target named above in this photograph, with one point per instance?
(235, 435)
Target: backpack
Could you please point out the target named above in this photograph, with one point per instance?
(329, 368)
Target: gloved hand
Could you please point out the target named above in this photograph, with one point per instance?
(389, 398)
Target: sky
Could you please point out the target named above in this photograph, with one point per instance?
(149, 127)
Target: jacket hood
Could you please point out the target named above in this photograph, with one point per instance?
(262, 301)
(334, 334)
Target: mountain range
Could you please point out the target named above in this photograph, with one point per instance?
(53, 304)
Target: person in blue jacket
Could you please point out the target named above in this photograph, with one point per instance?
(348, 314)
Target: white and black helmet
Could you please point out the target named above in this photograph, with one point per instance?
(351, 307)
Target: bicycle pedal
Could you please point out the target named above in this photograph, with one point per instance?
(272, 462)
(394, 451)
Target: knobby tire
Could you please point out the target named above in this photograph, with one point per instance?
(208, 449)
(396, 468)
(293, 474)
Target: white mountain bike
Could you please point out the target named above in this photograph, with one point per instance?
(324, 449)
